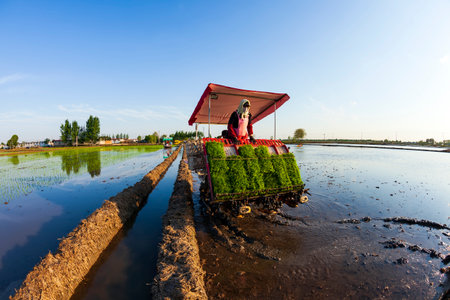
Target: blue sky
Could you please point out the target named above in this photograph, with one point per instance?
(370, 69)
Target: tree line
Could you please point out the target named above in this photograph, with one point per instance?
(184, 135)
(118, 136)
(178, 135)
(72, 133)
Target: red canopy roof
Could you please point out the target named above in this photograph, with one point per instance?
(225, 100)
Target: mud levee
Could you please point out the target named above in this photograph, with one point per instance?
(179, 273)
(58, 275)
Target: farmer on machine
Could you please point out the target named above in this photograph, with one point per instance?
(240, 123)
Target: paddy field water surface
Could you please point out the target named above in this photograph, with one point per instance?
(45, 195)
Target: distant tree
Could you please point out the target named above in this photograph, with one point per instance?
(12, 142)
(92, 129)
(46, 141)
(151, 138)
(182, 135)
(75, 132)
(299, 133)
(105, 138)
(156, 135)
(139, 138)
(66, 132)
(82, 135)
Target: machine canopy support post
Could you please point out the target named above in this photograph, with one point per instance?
(275, 121)
(209, 116)
(196, 131)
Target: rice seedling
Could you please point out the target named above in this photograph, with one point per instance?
(22, 174)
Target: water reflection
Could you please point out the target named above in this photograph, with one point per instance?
(14, 160)
(73, 162)
(22, 175)
(167, 152)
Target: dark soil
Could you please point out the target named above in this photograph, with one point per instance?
(277, 258)
(179, 275)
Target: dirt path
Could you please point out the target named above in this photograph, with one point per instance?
(180, 275)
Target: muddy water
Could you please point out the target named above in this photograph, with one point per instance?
(63, 189)
(306, 253)
(127, 268)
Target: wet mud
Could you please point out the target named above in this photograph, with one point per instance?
(58, 275)
(179, 273)
(279, 257)
(296, 254)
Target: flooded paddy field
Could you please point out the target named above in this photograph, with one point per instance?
(45, 195)
(125, 270)
(343, 243)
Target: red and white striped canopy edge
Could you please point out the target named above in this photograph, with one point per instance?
(225, 100)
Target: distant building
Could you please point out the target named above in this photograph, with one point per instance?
(58, 143)
(105, 142)
(128, 141)
(43, 144)
(28, 145)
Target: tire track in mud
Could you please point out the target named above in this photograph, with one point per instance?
(317, 264)
(58, 275)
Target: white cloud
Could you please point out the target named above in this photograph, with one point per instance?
(445, 59)
(25, 116)
(11, 78)
(121, 114)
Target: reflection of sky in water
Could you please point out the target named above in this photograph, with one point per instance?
(31, 224)
(18, 224)
(377, 182)
(131, 264)
(23, 174)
